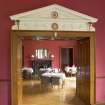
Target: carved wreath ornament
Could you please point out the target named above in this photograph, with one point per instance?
(54, 14)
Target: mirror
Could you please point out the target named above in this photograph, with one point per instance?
(41, 53)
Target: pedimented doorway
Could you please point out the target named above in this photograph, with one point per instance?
(54, 21)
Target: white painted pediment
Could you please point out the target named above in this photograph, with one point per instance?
(44, 18)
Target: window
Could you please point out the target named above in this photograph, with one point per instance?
(41, 53)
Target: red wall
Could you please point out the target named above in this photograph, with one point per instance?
(52, 46)
(93, 8)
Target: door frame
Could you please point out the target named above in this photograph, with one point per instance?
(60, 58)
(17, 35)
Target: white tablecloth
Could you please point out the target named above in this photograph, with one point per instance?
(60, 75)
(28, 69)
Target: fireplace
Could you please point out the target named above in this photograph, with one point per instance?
(40, 63)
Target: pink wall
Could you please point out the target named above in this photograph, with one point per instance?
(93, 8)
(52, 46)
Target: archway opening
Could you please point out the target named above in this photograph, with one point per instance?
(16, 52)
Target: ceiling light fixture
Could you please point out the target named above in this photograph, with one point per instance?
(55, 34)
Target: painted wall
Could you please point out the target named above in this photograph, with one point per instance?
(93, 8)
(52, 46)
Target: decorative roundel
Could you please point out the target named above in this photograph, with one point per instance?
(54, 14)
(54, 26)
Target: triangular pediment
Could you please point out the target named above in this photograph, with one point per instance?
(53, 14)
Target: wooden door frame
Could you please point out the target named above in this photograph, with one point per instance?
(18, 34)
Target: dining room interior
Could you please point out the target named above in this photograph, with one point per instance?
(50, 68)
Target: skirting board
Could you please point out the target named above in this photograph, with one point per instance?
(100, 103)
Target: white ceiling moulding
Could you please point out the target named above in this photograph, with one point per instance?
(44, 18)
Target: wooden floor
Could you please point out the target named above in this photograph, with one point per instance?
(34, 94)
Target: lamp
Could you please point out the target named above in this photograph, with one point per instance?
(32, 57)
(52, 56)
